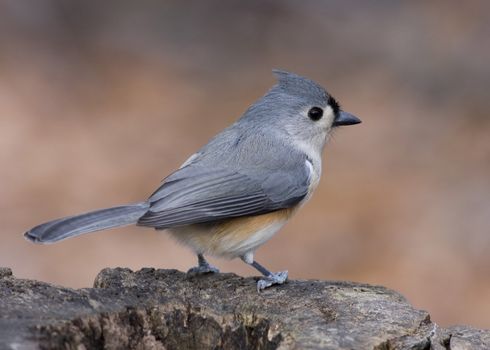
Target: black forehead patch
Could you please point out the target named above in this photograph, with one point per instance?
(332, 102)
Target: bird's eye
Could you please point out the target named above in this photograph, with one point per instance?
(315, 113)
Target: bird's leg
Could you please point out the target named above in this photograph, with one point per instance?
(203, 267)
(270, 278)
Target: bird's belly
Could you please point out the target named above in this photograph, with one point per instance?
(231, 238)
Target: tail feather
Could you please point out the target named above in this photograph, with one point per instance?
(72, 226)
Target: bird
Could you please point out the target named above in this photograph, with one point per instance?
(238, 190)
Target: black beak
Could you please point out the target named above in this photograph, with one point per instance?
(344, 118)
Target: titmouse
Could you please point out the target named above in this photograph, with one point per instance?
(237, 191)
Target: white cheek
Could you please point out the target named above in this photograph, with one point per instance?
(324, 125)
(313, 145)
(328, 117)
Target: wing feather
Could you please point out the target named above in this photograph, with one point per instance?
(194, 195)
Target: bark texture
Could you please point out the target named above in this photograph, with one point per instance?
(168, 309)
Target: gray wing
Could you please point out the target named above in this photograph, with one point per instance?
(195, 195)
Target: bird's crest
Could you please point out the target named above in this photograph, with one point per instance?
(294, 84)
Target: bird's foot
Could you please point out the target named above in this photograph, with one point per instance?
(273, 278)
(203, 269)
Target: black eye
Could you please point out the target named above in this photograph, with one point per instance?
(315, 113)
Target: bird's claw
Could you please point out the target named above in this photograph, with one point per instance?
(273, 278)
(203, 269)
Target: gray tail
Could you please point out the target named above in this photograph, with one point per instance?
(97, 220)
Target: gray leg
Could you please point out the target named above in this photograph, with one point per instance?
(203, 267)
(270, 278)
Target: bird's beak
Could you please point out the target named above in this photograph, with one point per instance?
(345, 118)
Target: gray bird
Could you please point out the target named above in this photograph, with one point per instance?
(237, 191)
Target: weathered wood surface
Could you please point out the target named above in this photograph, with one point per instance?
(168, 309)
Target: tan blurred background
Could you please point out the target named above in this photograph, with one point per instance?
(99, 100)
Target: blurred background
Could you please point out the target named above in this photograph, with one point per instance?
(101, 100)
